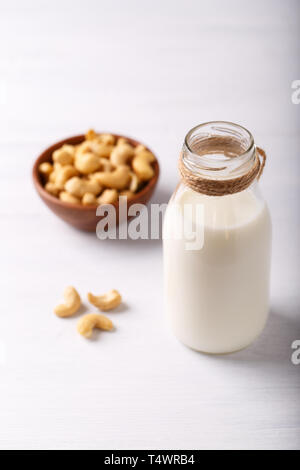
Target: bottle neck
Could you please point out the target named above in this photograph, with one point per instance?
(219, 151)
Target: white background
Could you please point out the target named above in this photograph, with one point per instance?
(151, 70)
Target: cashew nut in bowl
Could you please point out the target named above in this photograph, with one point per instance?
(45, 168)
(106, 301)
(141, 164)
(134, 183)
(93, 320)
(52, 177)
(122, 140)
(106, 164)
(139, 148)
(90, 135)
(101, 149)
(121, 154)
(107, 139)
(87, 163)
(67, 197)
(62, 174)
(109, 196)
(56, 167)
(71, 305)
(78, 186)
(84, 147)
(102, 165)
(146, 155)
(89, 199)
(51, 188)
(64, 155)
(116, 179)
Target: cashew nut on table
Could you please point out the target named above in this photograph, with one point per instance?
(88, 322)
(71, 305)
(106, 301)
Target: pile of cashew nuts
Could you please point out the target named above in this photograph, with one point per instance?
(98, 170)
(89, 321)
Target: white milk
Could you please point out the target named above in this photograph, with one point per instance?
(217, 298)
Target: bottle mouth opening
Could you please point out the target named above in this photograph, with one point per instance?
(219, 148)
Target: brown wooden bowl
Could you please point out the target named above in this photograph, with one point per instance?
(84, 217)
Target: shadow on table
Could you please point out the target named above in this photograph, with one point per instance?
(274, 344)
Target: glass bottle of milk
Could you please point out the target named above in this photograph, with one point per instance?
(217, 242)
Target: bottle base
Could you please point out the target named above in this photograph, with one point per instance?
(217, 353)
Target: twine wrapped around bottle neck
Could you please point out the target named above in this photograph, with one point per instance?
(222, 187)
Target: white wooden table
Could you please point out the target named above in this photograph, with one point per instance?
(151, 70)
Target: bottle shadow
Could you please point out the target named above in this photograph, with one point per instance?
(274, 344)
